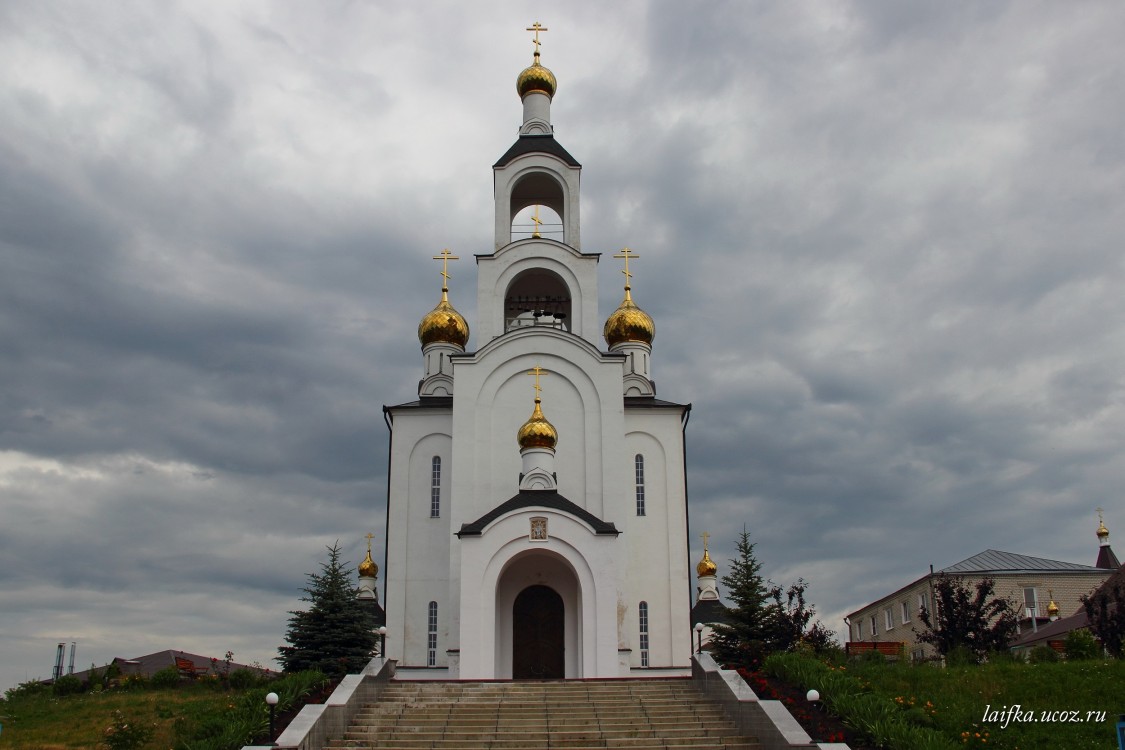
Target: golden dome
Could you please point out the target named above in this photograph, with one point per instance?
(536, 78)
(537, 432)
(368, 568)
(707, 566)
(1052, 609)
(444, 324)
(629, 323)
(1103, 532)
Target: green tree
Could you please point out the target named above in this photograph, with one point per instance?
(968, 618)
(1105, 610)
(335, 635)
(793, 617)
(751, 631)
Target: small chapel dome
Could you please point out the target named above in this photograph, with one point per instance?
(1103, 532)
(368, 568)
(443, 324)
(707, 566)
(629, 323)
(537, 432)
(536, 78)
(1052, 609)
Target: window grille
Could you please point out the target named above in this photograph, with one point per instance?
(642, 610)
(431, 656)
(639, 463)
(435, 488)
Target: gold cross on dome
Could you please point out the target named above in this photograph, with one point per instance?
(370, 536)
(537, 371)
(626, 253)
(445, 257)
(1100, 520)
(537, 221)
(537, 27)
(705, 536)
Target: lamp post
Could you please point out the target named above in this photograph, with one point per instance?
(383, 641)
(271, 701)
(699, 637)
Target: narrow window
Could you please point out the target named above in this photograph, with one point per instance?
(888, 618)
(859, 630)
(639, 463)
(1031, 602)
(643, 612)
(435, 488)
(874, 627)
(431, 655)
(905, 612)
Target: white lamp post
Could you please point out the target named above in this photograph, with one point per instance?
(699, 637)
(271, 701)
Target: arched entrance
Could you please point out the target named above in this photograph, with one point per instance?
(538, 635)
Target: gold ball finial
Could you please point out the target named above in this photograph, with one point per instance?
(368, 568)
(628, 322)
(443, 323)
(1103, 532)
(536, 77)
(706, 566)
(537, 432)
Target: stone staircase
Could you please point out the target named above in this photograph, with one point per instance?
(576, 715)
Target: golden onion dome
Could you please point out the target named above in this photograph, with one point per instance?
(536, 78)
(537, 432)
(1103, 532)
(629, 323)
(443, 324)
(368, 568)
(707, 566)
(1052, 609)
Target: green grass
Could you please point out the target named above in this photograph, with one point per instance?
(958, 698)
(46, 722)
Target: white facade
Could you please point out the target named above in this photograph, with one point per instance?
(500, 564)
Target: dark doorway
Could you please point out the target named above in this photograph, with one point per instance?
(537, 635)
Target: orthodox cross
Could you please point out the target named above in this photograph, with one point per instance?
(1100, 521)
(705, 536)
(535, 218)
(370, 536)
(626, 253)
(445, 257)
(537, 27)
(537, 371)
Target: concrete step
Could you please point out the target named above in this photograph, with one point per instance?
(574, 715)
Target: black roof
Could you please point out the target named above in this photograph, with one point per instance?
(542, 499)
(652, 402)
(425, 402)
(709, 612)
(536, 144)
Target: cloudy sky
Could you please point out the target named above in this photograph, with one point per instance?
(882, 243)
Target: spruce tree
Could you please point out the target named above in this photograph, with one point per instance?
(336, 634)
(752, 623)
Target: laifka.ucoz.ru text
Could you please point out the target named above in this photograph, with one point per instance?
(1017, 713)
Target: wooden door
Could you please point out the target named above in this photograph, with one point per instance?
(538, 650)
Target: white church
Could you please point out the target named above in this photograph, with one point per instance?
(537, 502)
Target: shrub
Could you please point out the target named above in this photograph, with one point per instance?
(27, 690)
(123, 734)
(1043, 655)
(169, 677)
(66, 685)
(960, 656)
(241, 679)
(1080, 644)
(872, 657)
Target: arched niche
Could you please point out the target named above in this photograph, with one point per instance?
(537, 297)
(524, 225)
(538, 189)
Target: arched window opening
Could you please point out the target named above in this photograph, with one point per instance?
(537, 298)
(435, 488)
(537, 221)
(639, 464)
(642, 611)
(538, 189)
(431, 640)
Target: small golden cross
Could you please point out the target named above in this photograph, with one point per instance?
(537, 27)
(537, 371)
(705, 536)
(535, 218)
(445, 257)
(370, 536)
(1100, 521)
(626, 253)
